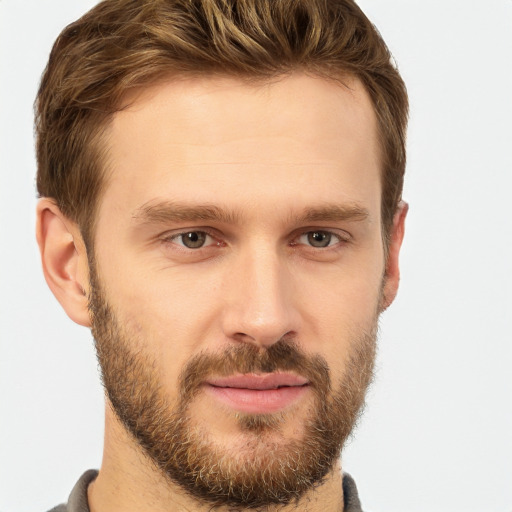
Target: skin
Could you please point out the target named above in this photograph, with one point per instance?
(263, 155)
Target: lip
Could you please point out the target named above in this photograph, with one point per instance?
(258, 394)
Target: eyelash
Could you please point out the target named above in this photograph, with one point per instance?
(339, 239)
(332, 237)
(171, 239)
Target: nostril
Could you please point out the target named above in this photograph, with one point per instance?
(264, 337)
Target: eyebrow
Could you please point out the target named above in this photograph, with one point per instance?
(334, 213)
(165, 212)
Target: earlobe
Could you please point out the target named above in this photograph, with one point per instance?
(64, 260)
(392, 275)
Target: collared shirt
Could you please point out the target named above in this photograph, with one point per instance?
(78, 498)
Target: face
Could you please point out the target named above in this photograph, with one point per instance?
(237, 277)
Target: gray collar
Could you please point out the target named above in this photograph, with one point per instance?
(78, 498)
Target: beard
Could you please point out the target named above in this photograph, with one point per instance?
(270, 469)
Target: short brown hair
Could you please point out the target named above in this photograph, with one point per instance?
(120, 45)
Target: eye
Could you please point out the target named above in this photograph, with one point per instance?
(192, 239)
(319, 239)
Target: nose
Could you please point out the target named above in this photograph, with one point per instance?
(259, 307)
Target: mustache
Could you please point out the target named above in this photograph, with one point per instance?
(284, 355)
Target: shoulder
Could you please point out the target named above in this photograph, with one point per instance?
(350, 495)
(77, 501)
(59, 508)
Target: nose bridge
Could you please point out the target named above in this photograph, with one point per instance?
(260, 308)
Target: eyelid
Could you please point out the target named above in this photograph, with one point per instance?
(342, 236)
(171, 236)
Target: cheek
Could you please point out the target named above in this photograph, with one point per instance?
(342, 314)
(346, 293)
(168, 314)
(343, 320)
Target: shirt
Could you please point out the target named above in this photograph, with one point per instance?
(78, 498)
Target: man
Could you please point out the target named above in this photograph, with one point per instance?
(220, 188)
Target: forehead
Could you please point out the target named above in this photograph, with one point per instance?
(220, 139)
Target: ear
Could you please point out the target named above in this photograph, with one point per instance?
(392, 275)
(64, 260)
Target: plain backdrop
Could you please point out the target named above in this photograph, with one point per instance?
(437, 432)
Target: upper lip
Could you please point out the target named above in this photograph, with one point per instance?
(258, 381)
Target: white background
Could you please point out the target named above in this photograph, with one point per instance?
(437, 434)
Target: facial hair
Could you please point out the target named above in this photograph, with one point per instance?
(271, 470)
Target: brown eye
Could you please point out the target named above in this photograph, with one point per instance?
(319, 238)
(193, 239)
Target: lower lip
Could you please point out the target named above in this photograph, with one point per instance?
(258, 401)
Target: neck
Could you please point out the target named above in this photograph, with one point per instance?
(128, 481)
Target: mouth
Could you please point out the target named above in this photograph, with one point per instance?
(258, 394)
